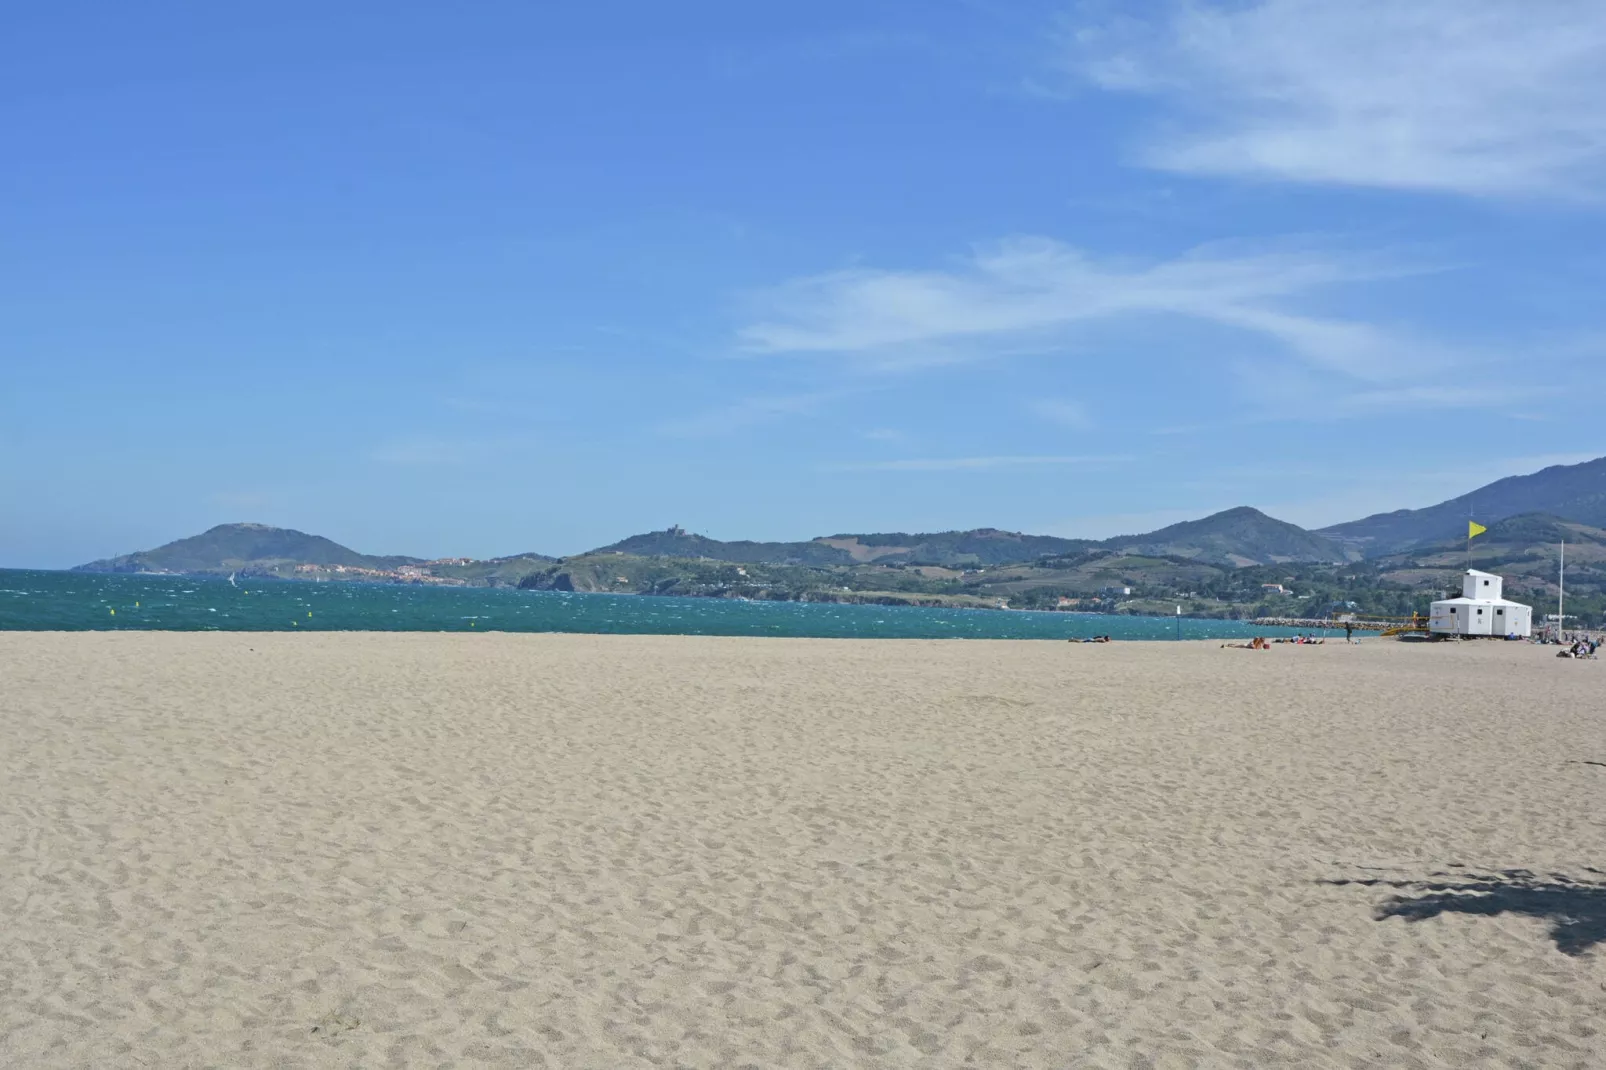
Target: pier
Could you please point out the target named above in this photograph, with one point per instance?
(1382, 625)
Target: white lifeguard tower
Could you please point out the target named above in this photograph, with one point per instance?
(1480, 610)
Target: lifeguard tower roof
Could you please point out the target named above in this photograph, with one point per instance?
(1477, 584)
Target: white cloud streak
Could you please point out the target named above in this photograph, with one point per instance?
(1071, 414)
(970, 464)
(746, 412)
(430, 451)
(1474, 97)
(1033, 291)
(1279, 392)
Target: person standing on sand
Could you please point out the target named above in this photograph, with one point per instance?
(1349, 630)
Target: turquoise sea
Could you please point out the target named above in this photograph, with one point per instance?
(79, 601)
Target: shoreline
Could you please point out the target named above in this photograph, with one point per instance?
(866, 598)
(108, 602)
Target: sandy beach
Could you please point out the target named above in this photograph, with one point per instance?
(338, 850)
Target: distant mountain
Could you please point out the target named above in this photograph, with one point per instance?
(1535, 530)
(979, 547)
(1545, 502)
(954, 549)
(1237, 537)
(240, 547)
(1525, 549)
(1528, 535)
(1575, 492)
(677, 542)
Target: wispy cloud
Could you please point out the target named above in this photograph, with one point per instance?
(747, 412)
(1478, 396)
(1478, 97)
(441, 450)
(1297, 396)
(1033, 291)
(484, 406)
(970, 464)
(1072, 414)
(1281, 393)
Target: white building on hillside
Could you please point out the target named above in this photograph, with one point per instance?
(1480, 610)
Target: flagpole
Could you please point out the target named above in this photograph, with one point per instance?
(1474, 529)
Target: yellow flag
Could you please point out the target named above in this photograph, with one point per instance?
(1474, 529)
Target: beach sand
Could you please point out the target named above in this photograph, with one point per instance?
(340, 850)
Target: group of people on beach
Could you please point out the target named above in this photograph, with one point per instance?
(1262, 643)
(1581, 648)
(1093, 639)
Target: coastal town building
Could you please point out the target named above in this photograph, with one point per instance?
(1481, 610)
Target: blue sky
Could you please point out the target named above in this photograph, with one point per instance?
(513, 277)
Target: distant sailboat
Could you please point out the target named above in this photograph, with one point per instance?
(231, 580)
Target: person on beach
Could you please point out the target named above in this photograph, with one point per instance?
(1349, 631)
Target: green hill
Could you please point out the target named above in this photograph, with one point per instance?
(955, 549)
(1525, 549)
(492, 571)
(1238, 563)
(1535, 529)
(712, 578)
(1524, 513)
(241, 547)
(1236, 537)
(677, 542)
(980, 547)
(1576, 492)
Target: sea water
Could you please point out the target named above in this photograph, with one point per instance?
(83, 601)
